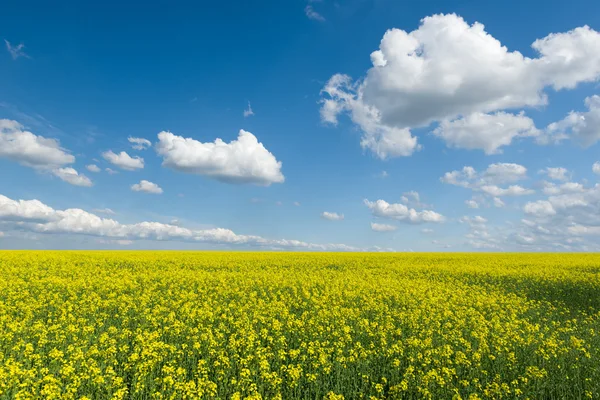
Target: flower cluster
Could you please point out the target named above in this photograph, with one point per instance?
(217, 325)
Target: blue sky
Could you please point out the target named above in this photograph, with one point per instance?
(353, 137)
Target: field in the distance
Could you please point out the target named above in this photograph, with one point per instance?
(143, 325)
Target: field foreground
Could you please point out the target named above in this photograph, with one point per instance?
(143, 325)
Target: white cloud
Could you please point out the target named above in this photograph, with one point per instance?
(401, 212)
(556, 173)
(26, 148)
(25, 210)
(540, 208)
(487, 132)
(582, 127)
(92, 168)
(34, 216)
(312, 14)
(71, 176)
(427, 231)
(43, 154)
(412, 199)
(472, 203)
(477, 220)
(498, 202)
(512, 190)
(332, 216)
(107, 211)
(384, 141)
(139, 143)
(244, 160)
(596, 168)
(123, 160)
(447, 69)
(297, 204)
(248, 112)
(487, 182)
(382, 227)
(567, 187)
(16, 51)
(147, 187)
(111, 171)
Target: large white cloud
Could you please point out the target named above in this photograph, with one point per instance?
(25, 210)
(244, 160)
(401, 212)
(123, 160)
(26, 148)
(35, 216)
(448, 69)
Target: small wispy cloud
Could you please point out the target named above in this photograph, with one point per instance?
(104, 211)
(248, 112)
(312, 14)
(16, 51)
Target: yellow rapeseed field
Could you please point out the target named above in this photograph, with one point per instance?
(233, 325)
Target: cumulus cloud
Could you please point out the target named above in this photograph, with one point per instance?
(382, 227)
(582, 127)
(401, 212)
(43, 154)
(382, 140)
(596, 168)
(248, 112)
(540, 208)
(35, 216)
(139, 143)
(20, 145)
(512, 190)
(550, 188)
(472, 203)
(123, 160)
(473, 221)
(332, 216)
(92, 168)
(487, 181)
(244, 160)
(71, 176)
(488, 132)
(556, 173)
(111, 171)
(447, 69)
(146, 187)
